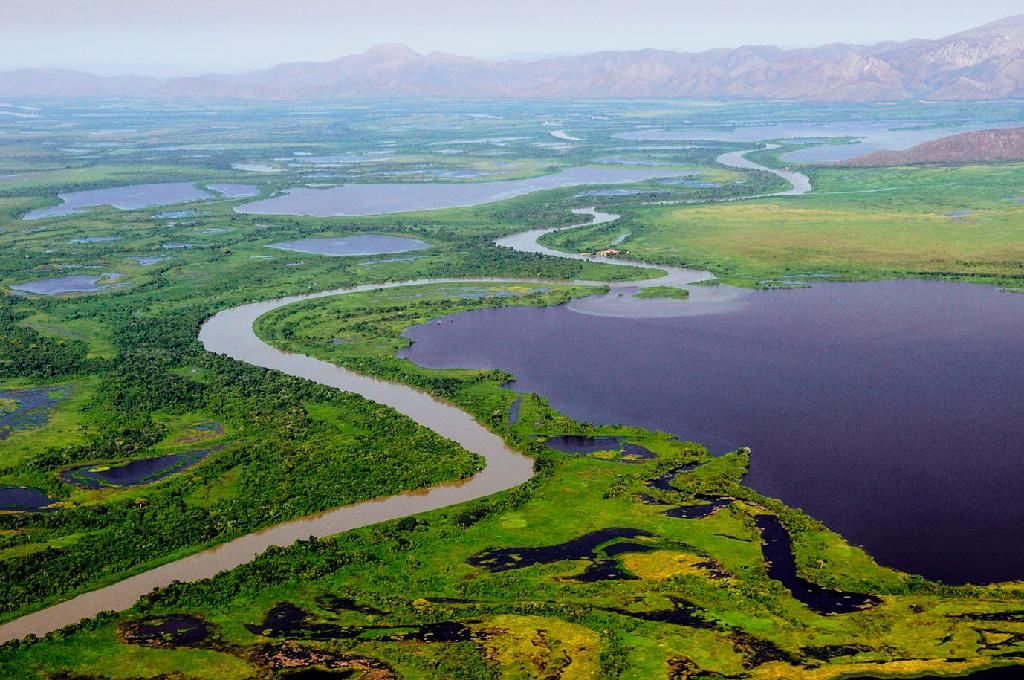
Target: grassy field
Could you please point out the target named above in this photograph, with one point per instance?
(960, 223)
(534, 619)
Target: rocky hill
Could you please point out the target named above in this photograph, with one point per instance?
(983, 146)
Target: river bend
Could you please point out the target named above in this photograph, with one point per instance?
(230, 332)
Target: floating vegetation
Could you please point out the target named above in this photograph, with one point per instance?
(287, 620)
(303, 663)
(607, 448)
(175, 630)
(27, 409)
(348, 246)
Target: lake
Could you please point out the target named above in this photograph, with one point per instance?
(131, 197)
(375, 199)
(873, 136)
(369, 244)
(136, 472)
(234, 190)
(888, 410)
(90, 283)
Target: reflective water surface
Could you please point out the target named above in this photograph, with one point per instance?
(888, 410)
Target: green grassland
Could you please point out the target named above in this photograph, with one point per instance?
(138, 384)
(667, 292)
(526, 622)
(960, 223)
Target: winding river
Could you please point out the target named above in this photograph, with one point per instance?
(231, 333)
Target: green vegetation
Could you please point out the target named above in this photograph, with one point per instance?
(134, 383)
(948, 222)
(663, 292)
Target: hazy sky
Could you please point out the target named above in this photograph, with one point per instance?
(193, 36)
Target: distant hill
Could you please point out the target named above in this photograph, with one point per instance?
(970, 147)
(980, 64)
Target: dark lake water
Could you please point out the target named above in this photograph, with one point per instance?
(31, 408)
(14, 498)
(889, 410)
(144, 471)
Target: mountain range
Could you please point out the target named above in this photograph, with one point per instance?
(981, 64)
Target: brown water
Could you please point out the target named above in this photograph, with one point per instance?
(230, 332)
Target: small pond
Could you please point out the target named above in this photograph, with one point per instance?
(132, 197)
(22, 498)
(346, 246)
(90, 283)
(27, 409)
(144, 471)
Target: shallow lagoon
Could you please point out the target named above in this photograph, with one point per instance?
(131, 197)
(19, 498)
(346, 246)
(888, 410)
(375, 199)
(874, 137)
(96, 239)
(68, 284)
(143, 471)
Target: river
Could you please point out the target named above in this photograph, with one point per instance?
(230, 332)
